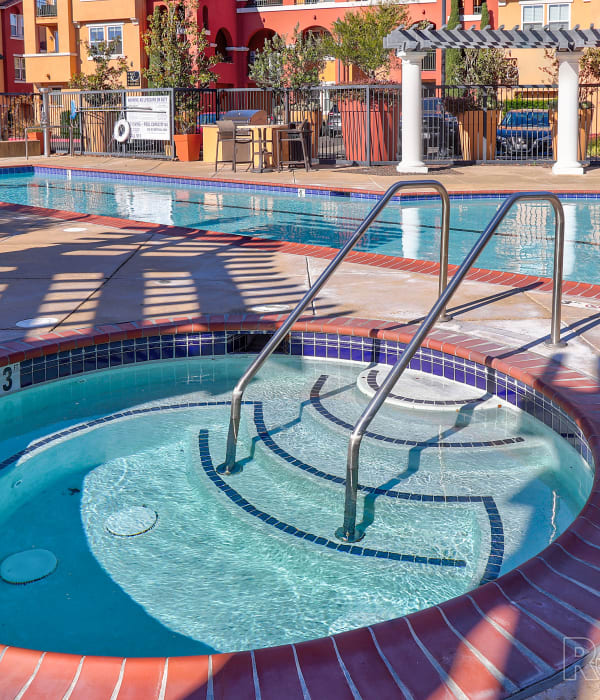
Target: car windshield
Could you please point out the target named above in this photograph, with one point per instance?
(526, 119)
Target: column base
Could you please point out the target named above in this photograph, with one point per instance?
(574, 168)
(417, 168)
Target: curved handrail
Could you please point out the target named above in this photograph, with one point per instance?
(236, 398)
(348, 532)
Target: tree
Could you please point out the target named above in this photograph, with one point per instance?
(357, 38)
(176, 47)
(453, 55)
(484, 67)
(485, 16)
(108, 71)
(294, 65)
(589, 65)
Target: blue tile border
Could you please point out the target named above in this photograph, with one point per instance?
(200, 183)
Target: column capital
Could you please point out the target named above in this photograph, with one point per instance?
(411, 56)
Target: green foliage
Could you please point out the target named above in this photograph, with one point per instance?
(589, 65)
(357, 38)
(66, 122)
(176, 47)
(485, 16)
(484, 67)
(453, 56)
(294, 65)
(527, 103)
(108, 71)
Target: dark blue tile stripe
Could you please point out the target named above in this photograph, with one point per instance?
(315, 400)
(496, 555)
(241, 502)
(198, 183)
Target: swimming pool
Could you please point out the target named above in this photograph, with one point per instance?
(523, 244)
(451, 497)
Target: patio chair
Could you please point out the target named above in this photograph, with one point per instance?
(229, 132)
(299, 143)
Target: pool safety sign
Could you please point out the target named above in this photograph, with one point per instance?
(149, 117)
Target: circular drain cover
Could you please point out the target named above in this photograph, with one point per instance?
(74, 229)
(133, 521)
(28, 566)
(37, 322)
(270, 308)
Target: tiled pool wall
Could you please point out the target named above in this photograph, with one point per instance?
(299, 190)
(154, 348)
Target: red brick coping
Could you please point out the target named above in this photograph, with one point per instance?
(491, 643)
(427, 267)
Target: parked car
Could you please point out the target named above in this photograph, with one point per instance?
(440, 131)
(524, 133)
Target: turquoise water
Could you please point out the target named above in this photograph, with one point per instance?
(212, 577)
(524, 242)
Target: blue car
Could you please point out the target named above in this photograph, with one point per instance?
(524, 134)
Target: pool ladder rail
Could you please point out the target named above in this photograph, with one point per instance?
(349, 532)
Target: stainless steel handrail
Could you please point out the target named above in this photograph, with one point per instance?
(348, 532)
(236, 398)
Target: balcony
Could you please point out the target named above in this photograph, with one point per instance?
(47, 8)
(263, 3)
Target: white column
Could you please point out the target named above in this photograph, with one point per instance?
(412, 113)
(570, 211)
(567, 161)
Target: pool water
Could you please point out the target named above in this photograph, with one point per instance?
(523, 244)
(218, 574)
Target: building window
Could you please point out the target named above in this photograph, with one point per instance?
(558, 16)
(20, 69)
(222, 41)
(108, 34)
(429, 62)
(16, 26)
(533, 16)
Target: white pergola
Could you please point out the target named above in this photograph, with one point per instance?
(411, 46)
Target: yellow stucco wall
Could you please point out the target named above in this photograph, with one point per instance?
(532, 61)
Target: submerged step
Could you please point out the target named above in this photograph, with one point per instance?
(426, 392)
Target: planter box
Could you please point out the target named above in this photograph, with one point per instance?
(585, 124)
(470, 130)
(384, 130)
(187, 146)
(36, 136)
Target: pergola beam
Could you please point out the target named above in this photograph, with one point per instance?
(403, 39)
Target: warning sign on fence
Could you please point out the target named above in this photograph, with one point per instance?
(149, 117)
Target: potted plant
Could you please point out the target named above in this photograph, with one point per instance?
(357, 41)
(176, 50)
(188, 143)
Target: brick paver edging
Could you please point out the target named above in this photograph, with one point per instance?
(426, 267)
(498, 640)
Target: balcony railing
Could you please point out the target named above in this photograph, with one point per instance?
(263, 3)
(46, 9)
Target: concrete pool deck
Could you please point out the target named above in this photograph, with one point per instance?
(103, 274)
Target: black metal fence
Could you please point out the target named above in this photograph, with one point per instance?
(359, 124)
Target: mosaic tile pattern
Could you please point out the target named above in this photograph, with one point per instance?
(344, 347)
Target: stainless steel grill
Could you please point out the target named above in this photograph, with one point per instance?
(246, 116)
